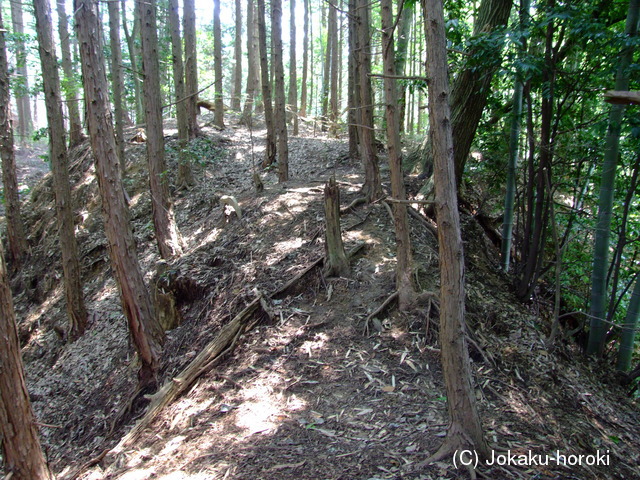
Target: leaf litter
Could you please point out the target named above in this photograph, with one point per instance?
(304, 395)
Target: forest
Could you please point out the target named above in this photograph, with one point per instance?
(319, 239)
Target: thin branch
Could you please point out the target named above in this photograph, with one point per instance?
(399, 77)
(188, 96)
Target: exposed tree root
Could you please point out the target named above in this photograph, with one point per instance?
(352, 205)
(428, 299)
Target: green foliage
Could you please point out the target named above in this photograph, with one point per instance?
(41, 134)
(203, 151)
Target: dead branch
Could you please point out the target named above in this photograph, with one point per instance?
(622, 98)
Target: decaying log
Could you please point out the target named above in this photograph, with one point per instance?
(622, 98)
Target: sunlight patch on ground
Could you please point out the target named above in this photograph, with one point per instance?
(210, 238)
(186, 410)
(264, 408)
(172, 445)
(282, 248)
(318, 343)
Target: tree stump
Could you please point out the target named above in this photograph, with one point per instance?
(336, 261)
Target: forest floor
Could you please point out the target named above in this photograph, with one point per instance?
(311, 390)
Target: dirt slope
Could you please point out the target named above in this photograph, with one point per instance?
(312, 391)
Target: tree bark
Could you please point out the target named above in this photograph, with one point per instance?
(191, 66)
(404, 268)
(237, 69)
(15, 230)
(167, 235)
(293, 74)
(280, 104)
(76, 309)
(465, 430)
(117, 81)
(185, 174)
(218, 115)
(270, 151)
(21, 451)
(145, 330)
(25, 121)
(69, 84)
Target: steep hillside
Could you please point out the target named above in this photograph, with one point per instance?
(315, 387)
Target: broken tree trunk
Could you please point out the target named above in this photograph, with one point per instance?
(337, 263)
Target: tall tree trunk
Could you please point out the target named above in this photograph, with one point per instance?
(133, 58)
(404, 267)
(305, 60)
(404, 33)
(117, 81)
(167, 235)
(598, 305)
(280, 103)
(25, 121)
(293, 74)
(190, 66)
(76, 309)
(628, 334)
(353, 90)
(185, 174)
(326, 71)
(514, 144)
(372, 188)
(15, 230)
(465, 430)
(145, 330)
(247, 110)
(237, 68)
(218, 116)
(69, 84)
(534, 255)
(21, 451)
(270, 153)
(333, 100)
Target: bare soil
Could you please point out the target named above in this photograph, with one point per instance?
(314, 390)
